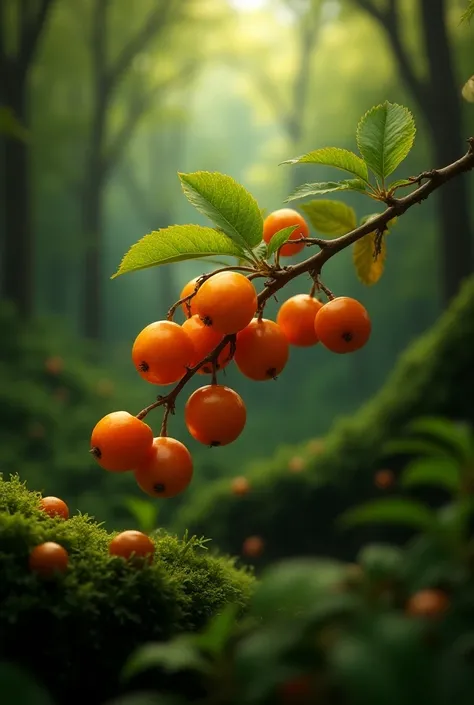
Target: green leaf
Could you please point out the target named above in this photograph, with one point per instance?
(391, 510)
(279, 239)
(175, 244)
(414, 446)
(180, 654)
(319, 189)
(442, 472)
(369, 269)
(385, 136)
(10, 126)
(400, 182)
(468, 13)
(457, 436)
(336, 157)
(144, 512)
(260, 251)
(380, 561)
(228, 204)
(17, 686)
(330, 217)
(219, 631)
(294, 585)
(468, 90)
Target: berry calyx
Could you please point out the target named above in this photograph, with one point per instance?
(343, 325)
(296, 319)
(167, 470)
(205, 339)
(215, 415)
(262, 350)
(240, 486)
(283, 218)
(162, 352)
(132, 544)
(55, 507)
(227, 302)
(48, 559)
(428, 603)
(188, 289)
(120, 441)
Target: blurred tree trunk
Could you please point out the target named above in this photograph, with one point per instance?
(439, 102)
(104, 151)
(17, 244)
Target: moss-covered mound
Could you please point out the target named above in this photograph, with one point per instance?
(295, 512)
(75, 631)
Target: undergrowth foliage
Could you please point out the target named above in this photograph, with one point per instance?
(225, 309)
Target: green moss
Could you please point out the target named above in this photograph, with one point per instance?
(295, 512)
(74, 632)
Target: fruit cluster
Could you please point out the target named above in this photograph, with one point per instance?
(49, 558)
(224, 322)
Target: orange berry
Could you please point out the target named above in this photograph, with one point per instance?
(215, 415)
(205, 339)
(188, 289)
(296, 464)
(296, 319)
(296, 690)
(54, 507)
(253, 546)
(240, 486)
(54, 364)
(162, 352)
(428, 603)
(48, 558)
(120, 441)
(262, 350)
(134, 544)
(167, 470)
(283, 218)
(227, 301)
(384, 479)
(343, 325)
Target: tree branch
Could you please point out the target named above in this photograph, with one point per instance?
(154, 23)
(390, 23)
(313, 265)
(31, 34)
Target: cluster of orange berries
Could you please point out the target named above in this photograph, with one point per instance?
(219, 305)
(49, 558)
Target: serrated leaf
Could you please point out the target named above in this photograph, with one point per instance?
(468, 90)
(279, 239)
(336, 157)
(319, 189)
(441, 472)
(391, 510)
(330, 217)
(260, 251)
(175, 244)
(369, 269)
(385, 136)
(227, 204)
(10, 126)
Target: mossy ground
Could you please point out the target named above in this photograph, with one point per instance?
(294, 512)
(75, 631)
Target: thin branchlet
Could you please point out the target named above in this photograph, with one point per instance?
(277, 276)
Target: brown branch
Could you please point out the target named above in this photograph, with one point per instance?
(313, 265)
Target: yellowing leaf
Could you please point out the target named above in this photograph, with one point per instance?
(369, 270)
(331, 218)
(468, 90)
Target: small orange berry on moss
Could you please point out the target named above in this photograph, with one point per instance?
(48, 559)
(55, 507)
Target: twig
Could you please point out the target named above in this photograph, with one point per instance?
(278, 278)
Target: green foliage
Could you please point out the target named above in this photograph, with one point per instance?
(391, 509)
(337, 158)
(331, 218)
(10, 127)
(469, 12)
(175, 244)
(323, 187)
(294, 512)
(385, 136)
(227, 204)
(279, 239)
(102, 607)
